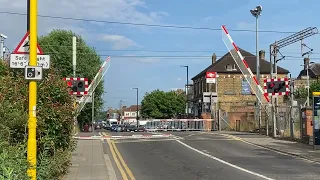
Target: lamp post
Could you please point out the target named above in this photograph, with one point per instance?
(308, 82)
(186, 88)
(256, 12)
(137, 106)
(121, 101)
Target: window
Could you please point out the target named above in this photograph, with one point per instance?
(231, 67)
(133, 114)
(127, 114)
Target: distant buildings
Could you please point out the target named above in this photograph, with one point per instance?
(130, 113)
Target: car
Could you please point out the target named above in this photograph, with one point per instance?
(141, 128)
(130, 128)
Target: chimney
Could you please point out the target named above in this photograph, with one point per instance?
(214, 58)
(262, 54)
(306, 62)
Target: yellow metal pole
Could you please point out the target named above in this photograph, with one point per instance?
(32, 121)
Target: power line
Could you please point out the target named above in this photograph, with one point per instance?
(164, 51)
(298, 58)
(144, 24)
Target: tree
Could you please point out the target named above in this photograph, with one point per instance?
(159, 104)
(302, 92)
(54, 125)
(58, 44)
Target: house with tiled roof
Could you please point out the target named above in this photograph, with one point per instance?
(131, 112)
(230, 94)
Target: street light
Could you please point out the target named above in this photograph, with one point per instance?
(256, 13)
(137, 106)
(186, 88)
(308, 82)
(121, 101)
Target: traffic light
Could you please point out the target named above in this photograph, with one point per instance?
(277, 86)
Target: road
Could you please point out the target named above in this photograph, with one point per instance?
(203, 156)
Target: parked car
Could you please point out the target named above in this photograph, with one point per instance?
(118, 128)
(130, 128)
(141, 128)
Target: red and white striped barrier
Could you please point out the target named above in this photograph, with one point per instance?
(139, 136)
(242, 64)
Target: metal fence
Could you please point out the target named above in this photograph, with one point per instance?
(284, 116)
(181, 125)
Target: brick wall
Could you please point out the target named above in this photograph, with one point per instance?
(238, 106)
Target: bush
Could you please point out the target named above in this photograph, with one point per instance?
(13, 162)
(54, 126)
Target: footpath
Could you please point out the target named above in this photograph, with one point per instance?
(90, 163)
(288, 147)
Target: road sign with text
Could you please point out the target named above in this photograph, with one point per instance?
(22, 60)
(20, 56)
(211, 77)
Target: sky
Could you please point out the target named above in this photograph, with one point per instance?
(149, 57)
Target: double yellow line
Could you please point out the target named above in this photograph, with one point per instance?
(118, 159)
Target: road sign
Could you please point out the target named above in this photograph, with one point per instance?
(24, 46)
(22, 60)
(33, 73)
(211, 77)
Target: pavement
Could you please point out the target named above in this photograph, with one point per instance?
(293, 148)
(90, 163)
(193, 156)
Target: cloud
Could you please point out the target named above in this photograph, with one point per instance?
(179, 79)
(111, 10)
(119, 42)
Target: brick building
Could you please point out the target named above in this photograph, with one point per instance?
(231, 93)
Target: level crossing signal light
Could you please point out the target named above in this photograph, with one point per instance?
(277, 86)
(78, 86)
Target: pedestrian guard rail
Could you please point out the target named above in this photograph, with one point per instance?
(181, 125)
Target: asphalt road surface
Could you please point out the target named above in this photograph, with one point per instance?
(204, 156)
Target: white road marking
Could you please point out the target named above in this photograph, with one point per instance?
(111, 172)
(224, 162)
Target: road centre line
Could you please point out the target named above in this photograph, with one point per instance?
(224, 162)
(122, 172)
(122, 161)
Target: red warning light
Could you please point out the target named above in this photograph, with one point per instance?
(271, 85)
(69, 83)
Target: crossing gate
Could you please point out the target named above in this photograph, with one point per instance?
(181, 125)
(243, 66)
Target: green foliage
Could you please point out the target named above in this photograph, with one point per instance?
(13, 162)
(302, 92)
(54, 124)
(160, 104)
(58, 44)
(315, 87)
